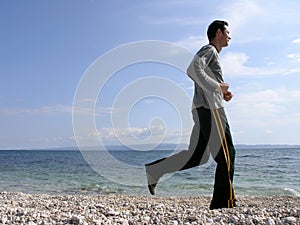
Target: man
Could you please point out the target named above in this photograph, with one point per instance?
(211, 133)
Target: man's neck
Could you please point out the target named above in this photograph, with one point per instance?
(216, 45)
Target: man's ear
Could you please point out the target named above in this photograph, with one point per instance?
(219, 32)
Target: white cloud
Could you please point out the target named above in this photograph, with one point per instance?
(56, 109)
(140, 135)
(193, 42)
(280, 13)
(296, 41)
(266, 116)
(98, 111)
(294, 56)
(41, 110)
(234, 64)
(293, 70)
(180, 19)
(259, 20)
(240, 13)
(174, 21)
(48, 140)
(270, 101)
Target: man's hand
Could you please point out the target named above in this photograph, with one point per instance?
(227, 96)
(224, 87)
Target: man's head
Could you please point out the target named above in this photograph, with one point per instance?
(217, 31)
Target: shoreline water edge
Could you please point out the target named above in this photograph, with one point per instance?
(259, 172)
(59, 187)
(33, 209)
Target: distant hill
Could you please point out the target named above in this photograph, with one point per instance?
(169, 146)
(241, 146)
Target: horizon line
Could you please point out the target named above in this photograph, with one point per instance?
(125, 146)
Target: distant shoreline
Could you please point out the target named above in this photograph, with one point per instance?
(144, 147)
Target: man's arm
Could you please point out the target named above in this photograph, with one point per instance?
(196, 71)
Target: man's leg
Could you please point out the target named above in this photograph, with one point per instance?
(223, 196)
(196, 155)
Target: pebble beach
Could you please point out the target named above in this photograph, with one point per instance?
(20, 208)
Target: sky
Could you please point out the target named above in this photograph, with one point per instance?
(47, 47)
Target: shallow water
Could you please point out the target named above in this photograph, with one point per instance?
(259, 172)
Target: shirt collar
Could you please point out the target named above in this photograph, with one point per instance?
(215, 47)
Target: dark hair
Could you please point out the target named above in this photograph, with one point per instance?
(214, 26)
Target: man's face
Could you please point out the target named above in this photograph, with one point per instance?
(225, 38)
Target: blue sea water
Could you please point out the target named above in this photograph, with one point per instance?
(258, 172)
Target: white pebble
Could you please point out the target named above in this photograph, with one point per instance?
(270, 221)
(97, 222)
(174, 222)
(123, 221)
(289, 219)
(110, 212)
(75, 219)
(146, 218)
(234, 219)
(191, 217)
(32, 223)
(4, 219)
(209, 220)
(100, 205)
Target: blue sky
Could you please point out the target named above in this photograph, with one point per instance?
(46, 47)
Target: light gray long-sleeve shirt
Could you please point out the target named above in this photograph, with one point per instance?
(205, 70)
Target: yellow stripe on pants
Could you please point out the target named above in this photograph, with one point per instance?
(221, 131)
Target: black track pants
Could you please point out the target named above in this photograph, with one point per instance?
(210, 135)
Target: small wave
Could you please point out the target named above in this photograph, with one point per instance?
(283, 158)
(293, 191)
(250, 156)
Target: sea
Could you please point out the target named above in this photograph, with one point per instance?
(259, 171)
